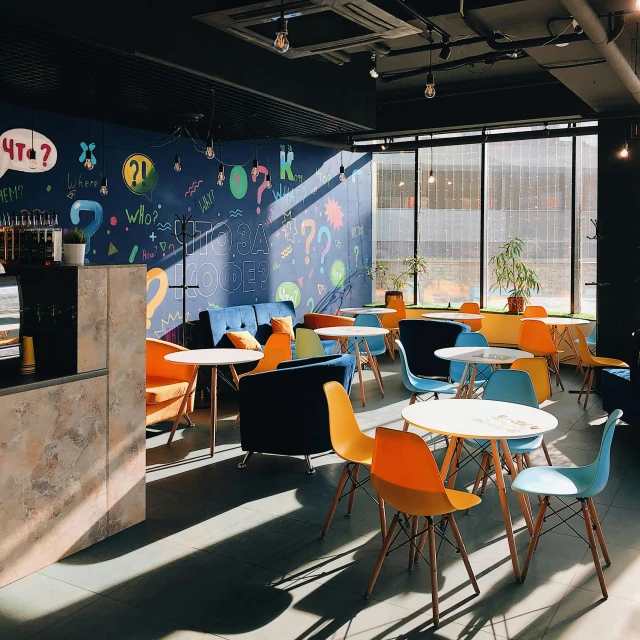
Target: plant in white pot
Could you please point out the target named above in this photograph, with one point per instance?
(74, 244)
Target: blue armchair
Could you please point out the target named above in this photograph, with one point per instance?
(620, 388)
(285, 411)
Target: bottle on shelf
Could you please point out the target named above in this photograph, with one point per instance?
(57, 240)
(34, 240)
(13, 240)
(24, 253)
(48, 241)
(3, 239)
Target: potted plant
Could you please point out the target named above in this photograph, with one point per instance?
(514, 276)
(74, 246)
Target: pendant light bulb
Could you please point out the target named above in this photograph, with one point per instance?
(103, 186)
(343, 176)
(432, 178)
(220, 174)
(254, 168)
(373, 70)
(281, 43)
(624, 152)
(210, 153)
(176, 164)
(384, 145)
(267, 182)
(33, 163)
(88, 165)
(430, 89)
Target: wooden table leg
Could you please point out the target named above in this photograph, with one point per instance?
(374, 367)
(183, 405)
(456, 465)
(214, 409)
(502, 491)
(463, 380)
(472, 381)
(359, 365)
(525, 505)
(451, 449)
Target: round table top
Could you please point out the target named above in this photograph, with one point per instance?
(482, 355)
(214, 357)
(483, 419)
(378, 311)
(453, 315)
(559, 321)
(351, 331)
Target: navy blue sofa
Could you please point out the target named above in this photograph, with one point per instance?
(620, 388)
(285, 411)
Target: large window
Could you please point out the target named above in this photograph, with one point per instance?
(474, 197)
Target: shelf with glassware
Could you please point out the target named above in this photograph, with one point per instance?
(33, 238)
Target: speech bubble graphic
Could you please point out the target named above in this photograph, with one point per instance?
(14, 151)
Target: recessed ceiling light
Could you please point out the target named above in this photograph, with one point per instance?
(562, 44)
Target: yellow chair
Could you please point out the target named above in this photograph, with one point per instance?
(277, 349)
(390, 321)
(308, 344)
(471, 307)
(536, 339)
(406, 476)
(533, 311)
(351, 445)
(591, 363)
(539, 371)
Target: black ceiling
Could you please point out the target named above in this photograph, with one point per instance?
(46, 69)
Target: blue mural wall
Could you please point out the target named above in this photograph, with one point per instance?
(307, 238)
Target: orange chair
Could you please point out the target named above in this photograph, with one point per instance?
(471, 307)
(169, 386)
(539, 371)
(406, 476)
(533, 311)
(390, 321)
(536, 339)
(322, 320)
(351, 445)
(591, 362)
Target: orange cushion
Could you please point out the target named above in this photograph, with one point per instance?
(283, 325)
(244, 340)
(160, 389)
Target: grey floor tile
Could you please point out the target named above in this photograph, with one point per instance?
(621, 527)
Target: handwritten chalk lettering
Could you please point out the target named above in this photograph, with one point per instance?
(206, 201)
(78, 182)
(9, 194)
(285, 163)
(15, 145)
(249, 276)
(141, 216)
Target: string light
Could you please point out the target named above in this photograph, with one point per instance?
(281, 43)
(432, 178)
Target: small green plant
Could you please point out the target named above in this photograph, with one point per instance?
(75, 236)
(415, 265)
(512, 274)
(399, 281)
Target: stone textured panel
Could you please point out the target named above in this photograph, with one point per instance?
(92, 319)
(53, 480)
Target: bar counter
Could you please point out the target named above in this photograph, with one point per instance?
(72, 446)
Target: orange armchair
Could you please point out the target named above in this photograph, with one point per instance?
(167, 383)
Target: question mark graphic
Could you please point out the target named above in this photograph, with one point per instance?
(92, 207)
(47, 151)
(264, 171)
(324, 231)
(155, 215)
(356, 250)
(263, 270)
(135, 173)
(163, 282)
(313, 305)
(308, 223)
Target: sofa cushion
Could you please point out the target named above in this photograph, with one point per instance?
(160, 389)
(216, 323)
(244, 340)
(267, 310)
(283, 325)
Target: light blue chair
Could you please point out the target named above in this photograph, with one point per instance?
(456, 369)
(507, 385)
(418, 385)
(377, 345)
(581, 484)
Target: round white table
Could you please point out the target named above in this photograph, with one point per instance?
(343, 334)
(490, 420)
(210, 358)
(377, 311)
(474, 356)
(451, 315)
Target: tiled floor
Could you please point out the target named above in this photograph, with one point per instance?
(231, 553)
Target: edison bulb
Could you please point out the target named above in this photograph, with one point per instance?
(33, 163)
(281, 43)
(432, 178)
(88, 165)
(254, 169)
(176, 164)
(430, 89)
(103, 187)
(343, 177)
(210, 153)
(220, 175)
(267, 182)
(624, 152)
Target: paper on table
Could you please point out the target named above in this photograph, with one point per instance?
(507, 425)
(488, 356)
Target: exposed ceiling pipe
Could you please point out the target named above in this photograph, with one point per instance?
(593, 27)
(431, 25)
(463, 42)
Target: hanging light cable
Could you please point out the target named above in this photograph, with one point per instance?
(373, 68)
(267, 182)
(342, 175)
(88, 163)
(103, 182)
(254, 168)
(220, 168)
(209, 152)
(281, 43)
(624, 152)
(432, 178)
(430, 89)
(33, 163)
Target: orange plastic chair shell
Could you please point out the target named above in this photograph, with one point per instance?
(390, 320)
(536, 339)
(322, 320)
(533, 311)
(589, 360)
(276, 350)
(538, 369)
(406, 476)
(346, 438)
(471, 307)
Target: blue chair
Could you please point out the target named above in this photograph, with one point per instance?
(456, 369)
(417, 385)
(507, 385)
(377, 345)
(581, 484)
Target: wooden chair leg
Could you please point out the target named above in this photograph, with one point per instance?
(421, 542)
(589, 385)
(546, 453)
(487, 471)
(413, 399)
(463, 552)
(479, 476)
(594, 550)
(434, 572)
(412, 549)
(383, 518)
(383, 553)
(584, 382)
(354, 482)
(533, 543)
(519, 462)
(598, 528)
(336, 498)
